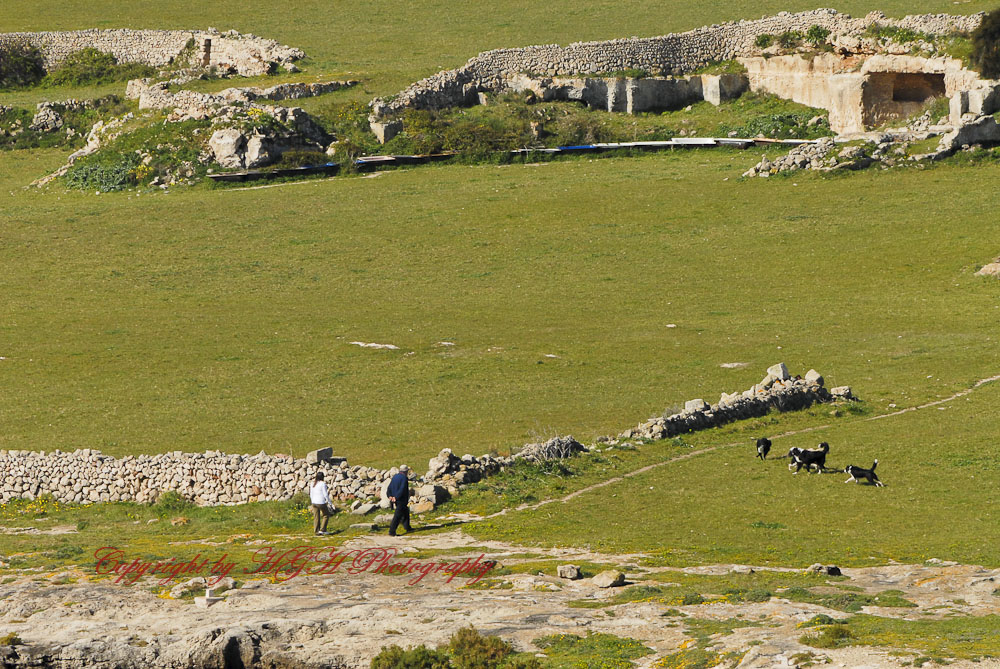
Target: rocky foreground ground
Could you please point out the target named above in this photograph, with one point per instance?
(343, 620)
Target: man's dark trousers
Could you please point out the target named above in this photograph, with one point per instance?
(402, 514)
(399, 491)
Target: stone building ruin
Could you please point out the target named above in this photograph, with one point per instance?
(862, 82)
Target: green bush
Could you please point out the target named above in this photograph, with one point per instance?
(90, 66)
(817, 34)
(471, 650)
(420, 657)
(831, 636)
(898, 35)
(172, 501)
(301, 158)
(789, 39)
(763, 41)
(985, 55)
(467, 649)
(20, 65)
(11, 639)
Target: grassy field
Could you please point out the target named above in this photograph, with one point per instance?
(223, 319)
(939, 466)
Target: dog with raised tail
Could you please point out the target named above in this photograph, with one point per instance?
(858, 473)
(763, 447)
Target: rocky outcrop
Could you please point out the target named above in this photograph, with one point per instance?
(156, 95)
(990, 269)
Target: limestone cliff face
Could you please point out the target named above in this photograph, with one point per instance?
(859, 92)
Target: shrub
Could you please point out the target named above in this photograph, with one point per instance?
(789, 39)
(302, 158)
(985, 55)
(817, 34)
(172, 501)
(20, 65)
(420, 657)
(101, 177)
(898, 35)
(11, 639)
(832, 636)
(90, 66)
(471, 650)
(763, 41)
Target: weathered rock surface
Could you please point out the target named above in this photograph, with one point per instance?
(612, 578)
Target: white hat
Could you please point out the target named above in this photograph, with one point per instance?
(404, 468)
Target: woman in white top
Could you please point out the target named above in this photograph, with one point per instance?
(319, 495)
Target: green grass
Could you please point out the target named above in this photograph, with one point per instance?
(969, 638)
(596, 649)
(686, 589)
(931, 461)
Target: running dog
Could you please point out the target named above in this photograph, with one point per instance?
(857, 473)
(763, 447)
(808, 457)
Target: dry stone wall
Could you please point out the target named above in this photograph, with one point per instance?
(214, 478)
(676, 53)
(248, 55)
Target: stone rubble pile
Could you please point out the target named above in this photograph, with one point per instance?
(214, 478)
(675, 53)
(156, 95)
(822, 155)
(778, 390)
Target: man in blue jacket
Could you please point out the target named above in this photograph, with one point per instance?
(399, 495)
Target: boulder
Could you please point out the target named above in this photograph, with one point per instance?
(842, 393)
(814, 377)
(319, 455)
(229, 146)
(434, 493)
(696, 405)
(421, 507)
(829, 570)
(363, 509)
(260, 151)
(992, 269)
(195, 584)
(570, 571)
(779, 372)
(444, 463)
(611, 578)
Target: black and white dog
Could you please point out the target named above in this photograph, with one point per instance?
(802, 457)
(857, 473)
(763, 447)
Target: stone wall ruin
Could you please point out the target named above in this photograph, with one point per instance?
(247, 55)
(214, 478)
(856, 100)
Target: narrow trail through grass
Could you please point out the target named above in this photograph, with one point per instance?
(710, 449)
